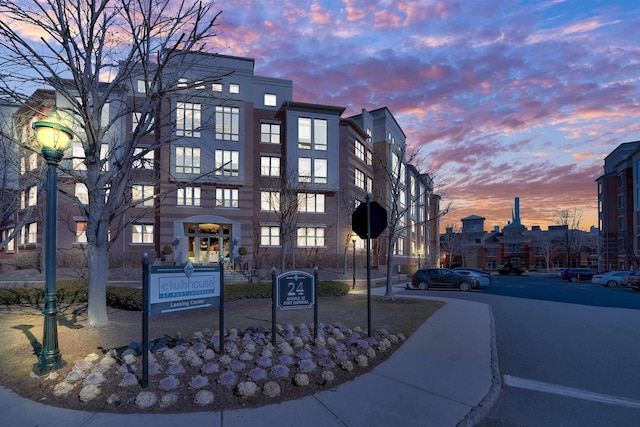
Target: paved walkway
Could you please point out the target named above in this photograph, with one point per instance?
(445, 374)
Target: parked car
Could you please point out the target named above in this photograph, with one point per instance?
(578, 274)
(483, 277)
(612, 279)
(633, 280)
(442, 278)
(559, 272)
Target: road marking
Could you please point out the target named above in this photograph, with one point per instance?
(569, 391)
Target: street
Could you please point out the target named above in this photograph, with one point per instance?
(568, 353)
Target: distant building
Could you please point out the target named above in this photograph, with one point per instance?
(517, 246)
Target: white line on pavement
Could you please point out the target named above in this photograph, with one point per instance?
(568, 391)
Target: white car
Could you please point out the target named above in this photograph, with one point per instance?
(612, 279)
(483, 277)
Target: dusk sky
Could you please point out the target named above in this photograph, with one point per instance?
(504, 99)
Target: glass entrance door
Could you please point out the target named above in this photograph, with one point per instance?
(207, 242)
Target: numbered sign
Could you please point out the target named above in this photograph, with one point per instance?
(295, 289)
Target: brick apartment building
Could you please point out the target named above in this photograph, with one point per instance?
(237, 168)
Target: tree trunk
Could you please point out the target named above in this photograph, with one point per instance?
(98, 264)
(389, 290)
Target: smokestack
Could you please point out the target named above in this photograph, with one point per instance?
(517, 218)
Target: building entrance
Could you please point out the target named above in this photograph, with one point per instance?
(207, 241)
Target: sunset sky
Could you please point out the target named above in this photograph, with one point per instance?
(504, 99)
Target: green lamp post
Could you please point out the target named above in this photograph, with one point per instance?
(54, 139)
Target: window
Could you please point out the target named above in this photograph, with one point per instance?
(304, 133)
(81, 232)
(188, 119)
(216, 87)
(398, 246)
(31, 232)
(82, 193)
(269, 235)
(234, 88)
(188, 196)
(270, 133)
(360, 150)
(320, 134)
(77, 155)
(32, 196)
(361, 179)
(142, 86)
(514, 248)
(270, 201)
(311, 237)
(29, 163)
(135, 120)
(187, 160)
(142, 233)
(142, 161)
(621, 222)
(11, 244)
(23, 203)
(199, 84)
(317, 175)
(182, 82)
(227, 123)
(311, 202)
(620, 201)
(142, 194)
(227, 197)
(620, 180)
(269, 166)
(270, 100)
(226, 162)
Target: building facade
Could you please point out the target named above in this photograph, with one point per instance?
(232, 168)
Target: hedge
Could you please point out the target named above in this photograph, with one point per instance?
(77, 291)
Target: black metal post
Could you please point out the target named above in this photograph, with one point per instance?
(145, 320)
(368, 265)
(273, 307)
(50, 358)
(354, 265)
(315, 304)
(221, 311)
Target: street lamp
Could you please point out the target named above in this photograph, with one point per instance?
(54, 139)
(354, 237)
(419, 255)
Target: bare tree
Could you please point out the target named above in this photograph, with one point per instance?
(91, 53)
(547, 244)
(570, 236)
(452, 242)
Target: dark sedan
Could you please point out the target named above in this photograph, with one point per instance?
(442, 278)
(578, 274)
(633, 281)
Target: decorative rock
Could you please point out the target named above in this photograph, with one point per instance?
(128, 380)
(301, 380)
(114, 400)
(168, 400)
(62, 389)
(89, 392)
(362, 360)
(94, 378)
(169, 383)
(203, 397)
(271, 389)
(328, 376)
(146, 399)
(198, 382)
(246, 389)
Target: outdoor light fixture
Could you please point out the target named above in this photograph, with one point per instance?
(419, 255)
(54, 139)
(354, 237)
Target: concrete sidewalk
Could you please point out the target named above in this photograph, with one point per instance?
(445, 374)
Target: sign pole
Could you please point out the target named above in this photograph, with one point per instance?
(368, 265)
(315, 305)
(273, 307)
(145, 320)
(221, 313)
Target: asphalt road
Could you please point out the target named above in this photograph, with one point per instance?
(569, 353)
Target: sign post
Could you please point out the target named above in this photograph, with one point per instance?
(293, 290)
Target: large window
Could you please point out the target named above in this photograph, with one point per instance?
(319, 133)
(311, 237)
(226, 162)
(269, 166)
(270, 100)
(188, 196)
(81, 232)
(32, 196)
(361, 179)
(227, 123)
(269, 235)
(226, 197)
(187, 160)
(188, 119)
(31, 233)
(141, 233)
(270, 133)
(135, 120)
(311, 202)
(143, 161)
(270, 201)
(316, 174)
(142, 194)
(82, 193)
